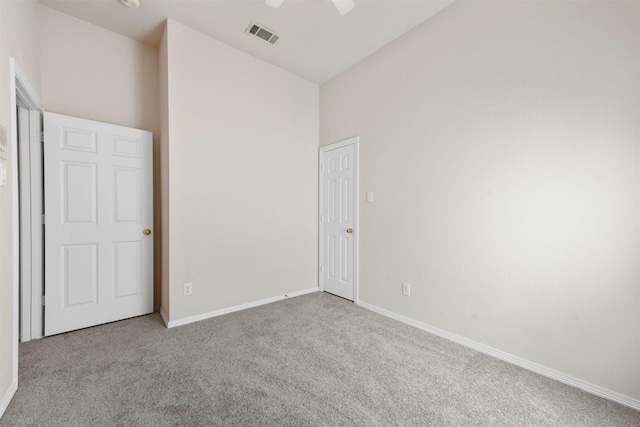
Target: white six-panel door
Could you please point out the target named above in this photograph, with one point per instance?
(98, 204)
(337, 217)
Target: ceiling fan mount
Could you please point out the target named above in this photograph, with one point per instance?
(343, 6)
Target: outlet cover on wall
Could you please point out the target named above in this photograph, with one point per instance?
(188, 289)
(3, 174)
(406, 289)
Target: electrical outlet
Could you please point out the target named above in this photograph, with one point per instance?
(406, 289)
(188, 289)
(3, 175)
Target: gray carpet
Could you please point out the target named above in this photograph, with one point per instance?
(310, 360)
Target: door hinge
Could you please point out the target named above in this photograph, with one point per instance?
(42, 218)
(42, 137)
(321, 217)
(321, 269)
(42, 300)
(321, 166)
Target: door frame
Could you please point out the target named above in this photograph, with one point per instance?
(355, 141)
(22, 94)
(26, 97)
(31, 205)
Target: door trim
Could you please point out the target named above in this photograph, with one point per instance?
(22, 94)
(355, 141)
(31, 199)
(29, 188)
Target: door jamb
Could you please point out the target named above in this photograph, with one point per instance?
(31, 206)
(20, 93)
(355, 141)
(23, 95)
(24, 207)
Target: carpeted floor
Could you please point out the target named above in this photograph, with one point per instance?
(310, 360)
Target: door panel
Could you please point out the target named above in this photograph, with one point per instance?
(338, 177)
(127, 259)
(80, 192)
(98, 201)
(80, 274)
(127, 195)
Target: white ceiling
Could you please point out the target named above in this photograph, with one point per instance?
(316, 42)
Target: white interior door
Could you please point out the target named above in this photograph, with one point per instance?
(98, 207)
(338, 176)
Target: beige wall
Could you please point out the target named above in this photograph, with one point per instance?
(96, 74)
(501, 142)
(243, 142)
(18, 39)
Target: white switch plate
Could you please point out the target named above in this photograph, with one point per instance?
(4, 153)
(370, 196)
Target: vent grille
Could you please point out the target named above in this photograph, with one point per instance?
(259, 31)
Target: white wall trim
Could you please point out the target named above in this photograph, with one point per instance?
(509, 358)
(8, 395)
(203, 316)
(355, 141)
(26, 94)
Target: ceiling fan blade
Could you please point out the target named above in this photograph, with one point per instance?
(344, 6)
(274, 3)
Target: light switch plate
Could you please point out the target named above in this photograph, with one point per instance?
(4, 152)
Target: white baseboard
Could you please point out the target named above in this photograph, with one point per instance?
(203, 316)
(8, 395)
(515, 360)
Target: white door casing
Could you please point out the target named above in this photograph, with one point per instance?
(21, 94)
(31, 226)
(339, 219)
(98, 202)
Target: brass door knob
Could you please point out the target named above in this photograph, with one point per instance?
(350, 230)
(146, 231)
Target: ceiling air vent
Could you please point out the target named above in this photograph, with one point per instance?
(262, 33)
